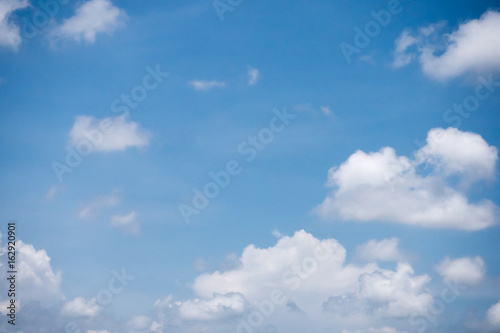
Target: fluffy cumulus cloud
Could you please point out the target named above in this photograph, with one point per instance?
(299, 284)
(473, 47)
(493, 316)
(465, 271)
(109, 134)
(10, 33)
(428, 190)
(383, 250)
(36, 277)
(206, 85)
(298, 275)
(91, 18)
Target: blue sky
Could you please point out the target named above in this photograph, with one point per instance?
(115, 115)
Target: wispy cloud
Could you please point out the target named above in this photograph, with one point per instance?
(473, 47)
(93, 208)
(127, 223)
(10, 33)
(206, 85)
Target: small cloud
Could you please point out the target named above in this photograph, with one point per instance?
(466, 270)
(326, 110)
(139, 324)
(383, 250)
(206, 85)
(253, 76)
(93, 209)
(81, 307)
(403, 43)
(277, 234)
(92, 17)
(127, 223)
(108, 134)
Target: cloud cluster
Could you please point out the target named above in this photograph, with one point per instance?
(301, 274)
(91, 18)
(428, 190)
(301, 281)
(473, 47)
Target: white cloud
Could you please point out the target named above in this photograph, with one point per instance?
(303, 268)
(139, 324)
(465, 271)
(108, 134)
(493, 315)
(206, 85)
(253, 76)
(81, 307)
(387, 187)
(10, 33)
(403, 42)
(455, 152)
(383, 250)
(93, 209)
(91, 18)
(127, 223)
(36, 277)
(398, 293)
(473, 47)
